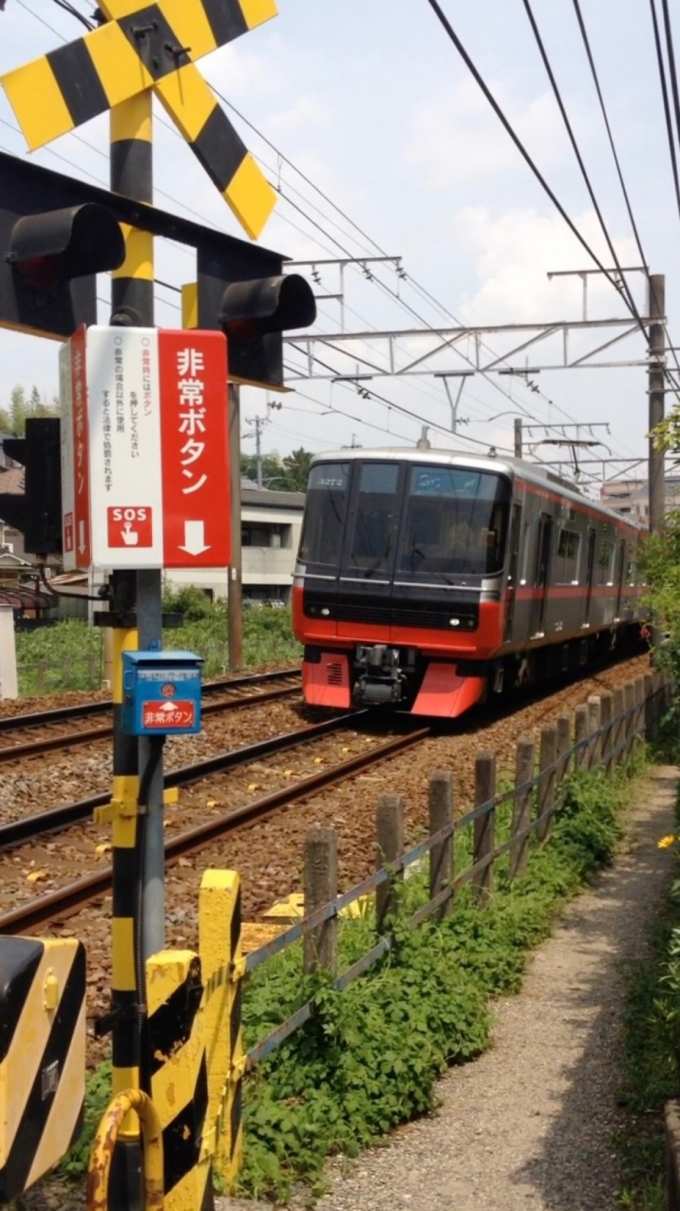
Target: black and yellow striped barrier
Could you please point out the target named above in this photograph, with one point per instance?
(220, 948)
(42, 1056)
(151, 46)
(179, 1077)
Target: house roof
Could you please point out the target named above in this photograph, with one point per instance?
(12, 480)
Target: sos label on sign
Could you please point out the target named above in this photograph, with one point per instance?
(129, 526)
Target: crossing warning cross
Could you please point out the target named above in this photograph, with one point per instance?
(151, 46)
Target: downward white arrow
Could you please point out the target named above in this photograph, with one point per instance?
(81, 537)
(194, 538)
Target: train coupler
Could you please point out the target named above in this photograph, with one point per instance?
(381, 678)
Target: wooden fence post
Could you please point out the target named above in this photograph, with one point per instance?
(649, 706)
(563, 745)
(606, 709)
(594, 720)
(321, 886)
(618, 729)
(546, 784)
(441, 854)
(629, 700)
(640, 712)
(484, 830)
(389, 835)
(581, 734)
(521, 814)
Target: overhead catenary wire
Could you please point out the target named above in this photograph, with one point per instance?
(365, 237)
(446, 24)
(581, 163)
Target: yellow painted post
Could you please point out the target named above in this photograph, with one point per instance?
(219, 926)
(179, 1080)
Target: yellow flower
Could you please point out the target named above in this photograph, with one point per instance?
(667, 841)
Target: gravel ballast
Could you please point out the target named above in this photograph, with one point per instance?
(531, 1123)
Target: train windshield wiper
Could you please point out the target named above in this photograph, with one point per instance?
(430, 572)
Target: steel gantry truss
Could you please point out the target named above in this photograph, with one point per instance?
(401, 363)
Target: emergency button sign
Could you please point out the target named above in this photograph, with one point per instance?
(145, 466)
(164, 716)
(130, 527)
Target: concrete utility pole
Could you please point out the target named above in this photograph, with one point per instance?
(657, 344)
(518, 437)
(259, 422)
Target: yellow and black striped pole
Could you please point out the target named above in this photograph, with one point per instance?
(132, 305)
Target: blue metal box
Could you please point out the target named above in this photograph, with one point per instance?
(161, 693)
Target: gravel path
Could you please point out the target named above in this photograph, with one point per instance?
(529, 1124)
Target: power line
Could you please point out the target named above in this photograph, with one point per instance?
(584, 172)
(591, 61)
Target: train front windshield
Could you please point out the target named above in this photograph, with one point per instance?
(454, 521)
(406, 519)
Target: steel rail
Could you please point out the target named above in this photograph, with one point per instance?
(81, 710)
(30, 748)
(28, 828)
(73, 896)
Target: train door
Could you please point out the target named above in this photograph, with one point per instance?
(590, 571)
(513, 569)
(620, 575)
(541, 577)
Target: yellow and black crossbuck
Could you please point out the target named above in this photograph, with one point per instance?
(151, 46)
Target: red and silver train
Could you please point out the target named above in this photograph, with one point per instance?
(427, 579)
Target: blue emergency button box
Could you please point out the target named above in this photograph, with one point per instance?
(161, 693)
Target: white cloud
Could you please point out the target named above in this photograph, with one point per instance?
(305, 112)
(513, 253)
(457, 140)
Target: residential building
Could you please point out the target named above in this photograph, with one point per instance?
(630, 497)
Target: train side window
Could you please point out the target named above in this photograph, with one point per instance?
(568, 557)
(526, 544)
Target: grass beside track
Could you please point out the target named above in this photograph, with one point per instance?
(70, 655)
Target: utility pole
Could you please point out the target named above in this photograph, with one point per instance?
(657, 342)
(259, 422)
(518, 437)
(235, 601)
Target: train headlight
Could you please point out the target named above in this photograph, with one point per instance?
(325, 612)
(454, 622)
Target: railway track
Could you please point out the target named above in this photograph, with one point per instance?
(232, 806)
(67, 899)
(56, 740)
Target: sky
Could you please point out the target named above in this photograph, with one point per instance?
(402, 156)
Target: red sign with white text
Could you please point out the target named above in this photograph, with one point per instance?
(166, 715)
(129, 526)
(194, 443)
(81, 451)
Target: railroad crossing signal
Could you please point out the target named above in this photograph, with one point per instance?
(151, 46)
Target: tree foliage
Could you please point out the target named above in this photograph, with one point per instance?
(289, 474)
(22, 406)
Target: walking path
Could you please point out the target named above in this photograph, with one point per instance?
(529, 1125)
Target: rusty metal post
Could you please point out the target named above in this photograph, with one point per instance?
(320, 946)
(441, 854)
